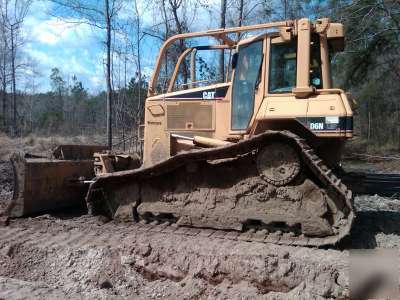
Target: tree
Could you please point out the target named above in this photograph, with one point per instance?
(78, 101)
(180, 26)
(13, 15)
(140, 105)
(56, 106)
(240, 17)
(222, 25)
(100, 15)
(176, 18)
(4, 69)
(370, 67)
(108, 72)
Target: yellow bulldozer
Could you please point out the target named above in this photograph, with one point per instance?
(254, 152)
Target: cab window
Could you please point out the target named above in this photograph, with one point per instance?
(245, 82)
(283, 66)
(315, 63)
(206, 69)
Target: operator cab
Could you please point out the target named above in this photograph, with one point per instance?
(286, 75)
(278, 80)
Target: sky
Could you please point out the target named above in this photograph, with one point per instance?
(76, 49)
(52, 43)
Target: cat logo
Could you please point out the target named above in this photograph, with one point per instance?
(208, 95)
(316, 126)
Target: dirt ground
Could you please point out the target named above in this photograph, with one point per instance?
(77, 256)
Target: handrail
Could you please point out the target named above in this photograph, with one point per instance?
(183, 56)
(219, 34)
(176, 70)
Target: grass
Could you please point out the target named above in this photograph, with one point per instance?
(384, 157)
(40, 145)
(362, 146)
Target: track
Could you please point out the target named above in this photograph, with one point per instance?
(35, 236)
(107, 190)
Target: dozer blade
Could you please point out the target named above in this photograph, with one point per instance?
(44, 185)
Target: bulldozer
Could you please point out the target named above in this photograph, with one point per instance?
(255, 151)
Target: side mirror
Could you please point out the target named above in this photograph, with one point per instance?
(234, 60)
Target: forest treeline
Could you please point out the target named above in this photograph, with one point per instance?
(369, 67)
(69, 109)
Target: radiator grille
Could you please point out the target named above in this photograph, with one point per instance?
(190, 116)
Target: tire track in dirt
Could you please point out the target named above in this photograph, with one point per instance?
(143, 259)
(81, 254)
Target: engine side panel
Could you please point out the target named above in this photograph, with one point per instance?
(324, 115)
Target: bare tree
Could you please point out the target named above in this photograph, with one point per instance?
(100, 15)
(240, 18)
(108, 72)
(13, 13)
(222, 25)
(181, 27)
(139, 63)
(166, 31)
(175, 17)
(128, 106)
(3, 70)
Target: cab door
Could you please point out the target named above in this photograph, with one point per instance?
(246, 79)
(281, 102)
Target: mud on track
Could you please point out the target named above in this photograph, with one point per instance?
(77, 256)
